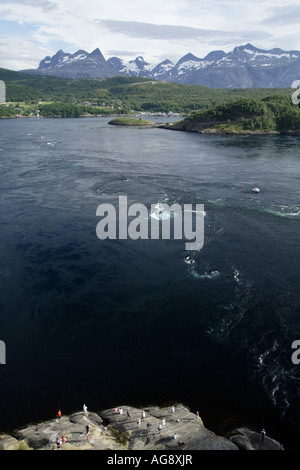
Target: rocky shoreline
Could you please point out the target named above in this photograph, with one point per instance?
(224, 132)
(129, 428)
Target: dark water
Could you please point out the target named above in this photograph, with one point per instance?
(140, 322)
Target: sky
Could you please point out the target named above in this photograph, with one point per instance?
(157, 30)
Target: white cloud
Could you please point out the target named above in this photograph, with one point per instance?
(21, 54)
(155, 29)
(283, 15)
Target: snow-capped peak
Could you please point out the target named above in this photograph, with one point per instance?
(240, 68)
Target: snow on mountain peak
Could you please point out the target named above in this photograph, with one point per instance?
(239, 68)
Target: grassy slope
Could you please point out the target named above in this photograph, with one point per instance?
(140, 94)
(129, 121)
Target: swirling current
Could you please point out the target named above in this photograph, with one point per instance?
(146, 321)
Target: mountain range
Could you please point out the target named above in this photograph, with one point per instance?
(244, 67)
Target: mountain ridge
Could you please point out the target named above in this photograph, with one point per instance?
(245, 66)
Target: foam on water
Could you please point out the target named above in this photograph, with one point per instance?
(207, 275)
(232, 310)
(160, 212)
(189, 260)
(284, 211)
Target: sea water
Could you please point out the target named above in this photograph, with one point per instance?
(143, 322)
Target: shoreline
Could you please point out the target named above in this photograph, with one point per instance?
(208, 131)
(214, 132)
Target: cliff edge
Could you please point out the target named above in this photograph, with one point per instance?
(129, 428)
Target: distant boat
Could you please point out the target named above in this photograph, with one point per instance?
(256, 190)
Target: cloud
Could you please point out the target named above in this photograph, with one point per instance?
(44, 5)
(170, 32)
(175, 40)
(21, 54)
(283, 16)
(155, 29)
(121, 52)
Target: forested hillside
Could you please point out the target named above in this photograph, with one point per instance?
(274, 113)
(118, 95)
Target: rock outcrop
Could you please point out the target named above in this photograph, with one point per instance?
(129, 428)
(245, 439)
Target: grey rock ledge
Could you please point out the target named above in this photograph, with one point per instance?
(129, 430)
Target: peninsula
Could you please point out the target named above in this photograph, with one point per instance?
(270, 115)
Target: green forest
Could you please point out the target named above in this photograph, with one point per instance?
(275, 113)
(231, 109)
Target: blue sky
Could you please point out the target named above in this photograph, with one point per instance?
(156, 29)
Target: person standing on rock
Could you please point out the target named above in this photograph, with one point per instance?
(159, 428)
(59, 414)
(143, 415)
(173, 409)
(263, 434)
(85, 409)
